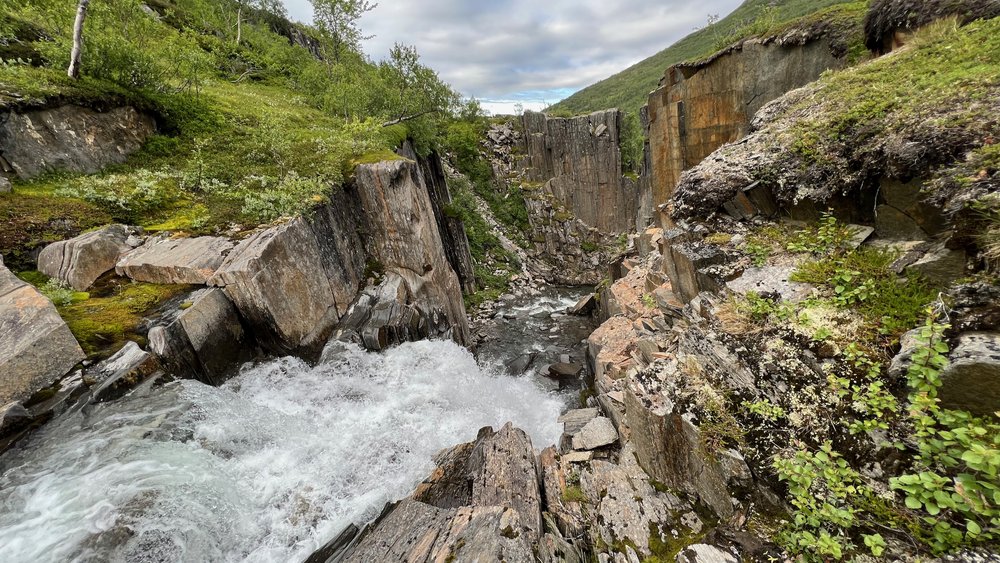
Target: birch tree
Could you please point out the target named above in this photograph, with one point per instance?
(76, 55)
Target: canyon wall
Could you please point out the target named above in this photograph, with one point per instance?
(701, 106)
(579, 202)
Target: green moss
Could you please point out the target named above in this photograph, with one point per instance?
(892, 307)
(103, 324)
(588, 246)
(574, 493)
(374, 157)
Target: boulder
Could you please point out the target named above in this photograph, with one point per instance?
(175, 261)
(72, 138)
(5, 185)
(597, 433)
(36, 346)
(668, 444)
(277, 281)
(121, 373)
(12, 417)
(564, 371)
(421, 533)
(482, 503)
(941, 265)
(585, 306)
(389, 314)
(971, 381)
(576, 419)
(206, 341)
(520, 364)
(79, 261)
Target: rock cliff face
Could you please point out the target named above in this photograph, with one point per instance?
(70, 138)
(699, 107)
(578, 200)
(295, 282)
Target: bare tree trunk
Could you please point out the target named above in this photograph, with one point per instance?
(77, 53)
(239, 25)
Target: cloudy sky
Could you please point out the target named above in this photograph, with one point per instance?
(534, 52)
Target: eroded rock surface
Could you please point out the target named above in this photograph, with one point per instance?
(36, 346)
(79, 261)
(71, 138)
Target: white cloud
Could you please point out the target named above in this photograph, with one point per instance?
(501, 48)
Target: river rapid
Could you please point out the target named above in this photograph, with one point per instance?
(271, 465)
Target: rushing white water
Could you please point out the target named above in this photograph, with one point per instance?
(267, 468)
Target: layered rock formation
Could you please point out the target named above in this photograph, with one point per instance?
(36, 346)
(79, 261)
(578, 200)
(71, 138)
(701, 106)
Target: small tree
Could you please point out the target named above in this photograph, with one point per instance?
(338, 21)
(76, 55)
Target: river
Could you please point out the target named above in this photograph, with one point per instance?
(271, 465)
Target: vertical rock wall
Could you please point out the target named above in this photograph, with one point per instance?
(699, 107)
(580, 162)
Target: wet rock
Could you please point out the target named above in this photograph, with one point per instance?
(597, 433)
(520, 364)
(584, 306)
(941, 265)
(12, 417)
(564, 371)
(971, 381)
(36, 346)
(121, 373)
(72, 138)
(175, 261)
(390, 314)
(206, 341)
(81, 260)
(702, 553)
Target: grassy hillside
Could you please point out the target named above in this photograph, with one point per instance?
(628, 89)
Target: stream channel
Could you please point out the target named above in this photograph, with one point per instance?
(272, 464)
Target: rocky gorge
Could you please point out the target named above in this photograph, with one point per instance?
(777, 339)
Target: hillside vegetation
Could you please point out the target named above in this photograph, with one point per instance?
(629, 88)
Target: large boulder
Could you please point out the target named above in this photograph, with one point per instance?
(405, 238)
(164, 260)
(36, 346)
(206, 341)
(277, 281)
(72, 138)
(79, 261)
(482, 503)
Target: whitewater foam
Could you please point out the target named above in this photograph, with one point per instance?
(266, 468)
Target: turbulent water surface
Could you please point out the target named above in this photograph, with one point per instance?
(266, 468)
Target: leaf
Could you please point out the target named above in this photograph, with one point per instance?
(913, 503)
(973, 528)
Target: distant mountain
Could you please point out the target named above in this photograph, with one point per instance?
(629, 88)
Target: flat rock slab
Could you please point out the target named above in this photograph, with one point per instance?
(597, 433)
(564, 371)
(576, 419)
(703, 553)
(175, 261)
(79, 261)
(584, 306)
(36, 346)
(771, 280)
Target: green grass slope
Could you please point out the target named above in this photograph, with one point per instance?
(629, 88)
